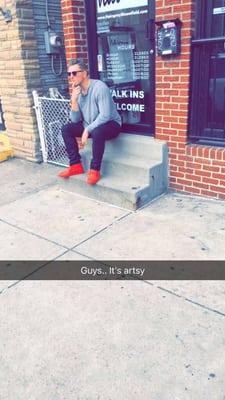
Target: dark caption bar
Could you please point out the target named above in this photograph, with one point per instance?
(112, 270)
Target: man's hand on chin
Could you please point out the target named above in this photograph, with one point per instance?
(84, 137)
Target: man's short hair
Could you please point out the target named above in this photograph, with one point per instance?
(78, 61)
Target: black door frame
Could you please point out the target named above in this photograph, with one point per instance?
(90, 6)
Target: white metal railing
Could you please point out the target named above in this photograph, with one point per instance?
(52, 114)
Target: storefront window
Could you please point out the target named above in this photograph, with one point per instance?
(123, 56)
(207, 120)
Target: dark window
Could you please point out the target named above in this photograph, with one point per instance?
(207, 122)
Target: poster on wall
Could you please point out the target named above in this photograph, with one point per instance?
(123, 55)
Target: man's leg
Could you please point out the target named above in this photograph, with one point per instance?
(99, 135)
(70, 132)
(104, 132)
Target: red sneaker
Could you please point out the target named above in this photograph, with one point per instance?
(93, 176)
(75, 169)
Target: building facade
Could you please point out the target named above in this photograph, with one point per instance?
(178, 98)
(25, 66)
(164, 61)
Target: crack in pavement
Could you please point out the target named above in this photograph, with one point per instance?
(102, 229)
(62, 245)
(213, 310)
(67, 249)
(33, 234)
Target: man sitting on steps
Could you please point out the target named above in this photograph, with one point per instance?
(93, 114)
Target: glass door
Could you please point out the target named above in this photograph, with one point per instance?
(125, 59)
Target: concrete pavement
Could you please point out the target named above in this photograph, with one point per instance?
(118, 340)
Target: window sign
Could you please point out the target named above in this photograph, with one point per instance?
(123, 56)
(219, 10)
(105, 6)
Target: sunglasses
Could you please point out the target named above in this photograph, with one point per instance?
(74, 73)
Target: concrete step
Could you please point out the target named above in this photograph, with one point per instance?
(134, 171)
(143, 147)
(111, 189)
(128, 166)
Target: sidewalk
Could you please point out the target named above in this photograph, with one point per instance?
(118, 340)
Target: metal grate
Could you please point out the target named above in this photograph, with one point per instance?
(52, 114)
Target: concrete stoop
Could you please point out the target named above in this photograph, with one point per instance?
(134, 171)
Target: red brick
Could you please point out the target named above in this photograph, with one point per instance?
(192, 150)
(218, 176)
(210, 180)
(172, 158)
(217, 189)
(176, 150)
(193, 177)
(178, 174)
(193, 165)
(211, 168)
(212, 153)
(206, 152)
(173, 180)
(218, 163)
(190, 189)
(185, 182)
(219, 154)
(182, 146)
(200, 185)
(208, 193)
(185, 157)
(203, 173)
(186, 170)
(176, 186)
(178, 163)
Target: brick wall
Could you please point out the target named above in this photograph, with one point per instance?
(193, 169)
(18, 67)
(19, 75)
(74, 27)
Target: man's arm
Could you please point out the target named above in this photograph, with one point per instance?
(104, 101)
